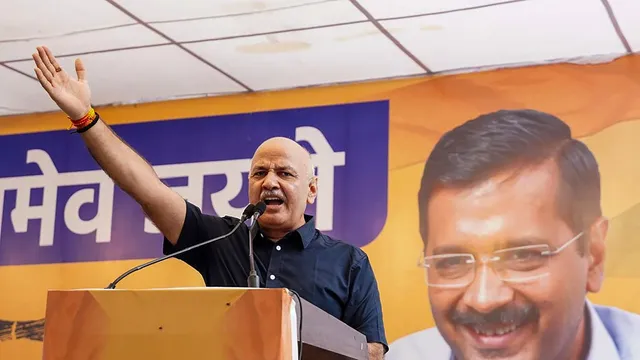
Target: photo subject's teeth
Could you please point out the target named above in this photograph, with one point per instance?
(494, 332)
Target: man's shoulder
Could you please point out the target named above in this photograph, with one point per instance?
(418, 344)
(206, 219)
(623, 327)
(329, 241)
(357, 254)
(617, 317)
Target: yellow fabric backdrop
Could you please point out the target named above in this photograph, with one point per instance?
(600, 102)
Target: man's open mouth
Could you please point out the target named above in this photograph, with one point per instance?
(500, 335)
(494, 330)
(273, 201)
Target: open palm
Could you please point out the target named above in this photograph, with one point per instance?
(72, 96)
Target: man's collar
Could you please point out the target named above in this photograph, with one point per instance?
(305, 233)
(601, 343)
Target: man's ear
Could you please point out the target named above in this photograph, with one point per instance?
(596, 250)
(313, 190)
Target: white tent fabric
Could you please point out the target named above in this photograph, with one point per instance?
(138, 51)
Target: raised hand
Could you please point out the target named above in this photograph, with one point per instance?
(72, 96)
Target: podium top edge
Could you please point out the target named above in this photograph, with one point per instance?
(199, 288)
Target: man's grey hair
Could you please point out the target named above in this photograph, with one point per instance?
(311, 171)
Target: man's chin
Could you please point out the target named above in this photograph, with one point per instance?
(494, 354)
(273, 220)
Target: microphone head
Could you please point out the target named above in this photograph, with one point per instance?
(260, 207)
(248, 211)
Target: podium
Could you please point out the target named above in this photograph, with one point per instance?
(193, 323)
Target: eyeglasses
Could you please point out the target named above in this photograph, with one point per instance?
(518, 264)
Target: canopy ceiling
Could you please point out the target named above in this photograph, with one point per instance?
(138, 51)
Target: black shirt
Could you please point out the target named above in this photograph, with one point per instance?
(333, 275)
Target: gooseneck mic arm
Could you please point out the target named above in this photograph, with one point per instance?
(253, 281)
(248, 212)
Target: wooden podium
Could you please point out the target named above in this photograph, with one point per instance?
(193, 323)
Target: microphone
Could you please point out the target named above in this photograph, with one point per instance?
(248, 212)
(253, 281)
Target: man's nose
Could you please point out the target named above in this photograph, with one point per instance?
(487, 292)
(270, 181)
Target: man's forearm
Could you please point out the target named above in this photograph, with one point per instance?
(129, 171)
(133, 174)
(376, 351)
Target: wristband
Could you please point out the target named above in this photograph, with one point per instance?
(90, 125)
(89, 119)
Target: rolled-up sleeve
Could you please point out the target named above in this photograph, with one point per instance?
(197, 228)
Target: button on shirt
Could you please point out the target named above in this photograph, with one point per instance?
(333, 275)
(614, 335)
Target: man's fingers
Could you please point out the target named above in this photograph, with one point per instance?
(46, 84)
(42, 67)
(46, 61)
(51, 58)
(80, 71)
(54, 62)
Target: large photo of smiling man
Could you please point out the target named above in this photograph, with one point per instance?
(514, 240)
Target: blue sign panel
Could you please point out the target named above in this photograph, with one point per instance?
(58, 206)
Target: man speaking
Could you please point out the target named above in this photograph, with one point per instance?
(289, 251)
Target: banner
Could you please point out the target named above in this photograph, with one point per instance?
(60, 207)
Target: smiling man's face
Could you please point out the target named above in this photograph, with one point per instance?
(490, 318)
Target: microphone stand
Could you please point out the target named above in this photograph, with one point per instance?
(248, 211)
(253, 281)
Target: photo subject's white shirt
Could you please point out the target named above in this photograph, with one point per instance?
(615, 335)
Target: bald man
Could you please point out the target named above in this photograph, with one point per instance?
(289, 251)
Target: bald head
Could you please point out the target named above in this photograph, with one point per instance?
(282, 176)
(297, 154)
